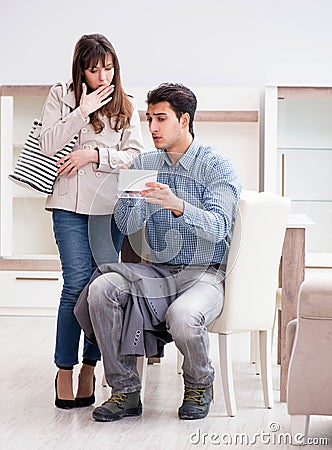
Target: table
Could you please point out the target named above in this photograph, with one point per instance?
(291, 275)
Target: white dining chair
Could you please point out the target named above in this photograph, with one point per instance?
(250, 285)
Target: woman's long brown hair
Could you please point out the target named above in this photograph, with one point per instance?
(89, 50)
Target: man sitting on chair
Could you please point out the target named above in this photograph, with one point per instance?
(189, 213)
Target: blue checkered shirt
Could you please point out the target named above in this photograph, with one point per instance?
(207, 182)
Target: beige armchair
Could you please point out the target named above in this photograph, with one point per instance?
(309, 339)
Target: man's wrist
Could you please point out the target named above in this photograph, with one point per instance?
(179, 209)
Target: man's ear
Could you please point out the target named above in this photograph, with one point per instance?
(185, 119)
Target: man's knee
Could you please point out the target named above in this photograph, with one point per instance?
(106, 288)
(181, 321)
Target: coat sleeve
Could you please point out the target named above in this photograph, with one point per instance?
(56, 131)
(130, 146)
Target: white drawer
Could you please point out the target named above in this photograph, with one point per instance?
(29, 289)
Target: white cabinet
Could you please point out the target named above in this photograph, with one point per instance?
(30, 292)
(298, 159)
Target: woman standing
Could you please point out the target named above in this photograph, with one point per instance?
(107, 123)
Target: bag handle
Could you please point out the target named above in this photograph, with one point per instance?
(65, 109)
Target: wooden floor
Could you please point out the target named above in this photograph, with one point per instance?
(29, 420)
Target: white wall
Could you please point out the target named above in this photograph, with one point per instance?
(198, 42)
(201, 43)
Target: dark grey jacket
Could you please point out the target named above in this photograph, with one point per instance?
(152, 290)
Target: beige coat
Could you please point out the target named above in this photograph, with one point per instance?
(93, 189)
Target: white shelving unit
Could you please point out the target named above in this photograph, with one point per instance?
(298, 159)
(30, 273)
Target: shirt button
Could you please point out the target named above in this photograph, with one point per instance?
(113, 161)
(98, 174)
(84, 130)
(102, 133)
(81, 172)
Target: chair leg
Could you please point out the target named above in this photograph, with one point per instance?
(254, 351)
(103, 381)
(227, 373)
(142, 364)
(299, 426)
(266, 366)
(179, 362)
(254, 342)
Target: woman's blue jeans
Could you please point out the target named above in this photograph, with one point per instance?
(84, 242)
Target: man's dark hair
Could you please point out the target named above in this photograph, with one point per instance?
(181, 99)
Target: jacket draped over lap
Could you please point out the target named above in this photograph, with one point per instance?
(93, 188)
(152, 290)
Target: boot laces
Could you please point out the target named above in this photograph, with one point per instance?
(193, 395)
(117, 398)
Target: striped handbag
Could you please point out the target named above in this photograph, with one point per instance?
(33, 169)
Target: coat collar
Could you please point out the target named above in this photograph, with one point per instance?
(69, 99)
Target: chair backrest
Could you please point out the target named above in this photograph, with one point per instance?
(253, 263)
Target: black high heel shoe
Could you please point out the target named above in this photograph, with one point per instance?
(80, 402)
(61, 403)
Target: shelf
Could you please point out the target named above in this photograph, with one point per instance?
(318, 260)
(200, 116)
(46, 264)
(219, 116)
(311, 201)
(280, 149)
(24, 90)
(305, 92)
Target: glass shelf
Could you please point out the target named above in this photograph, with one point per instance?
(298, 159)
(311, 200)
(305, 174)
(281, 149)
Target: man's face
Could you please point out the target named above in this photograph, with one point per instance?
(165, 128)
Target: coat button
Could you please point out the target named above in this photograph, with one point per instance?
(81, 172)
(102, 133)
(84, 130)
(87, 146)
(98, 174)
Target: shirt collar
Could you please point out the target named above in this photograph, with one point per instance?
(188, 158)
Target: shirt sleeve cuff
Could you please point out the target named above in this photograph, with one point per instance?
(103, 159)
(188, 216)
